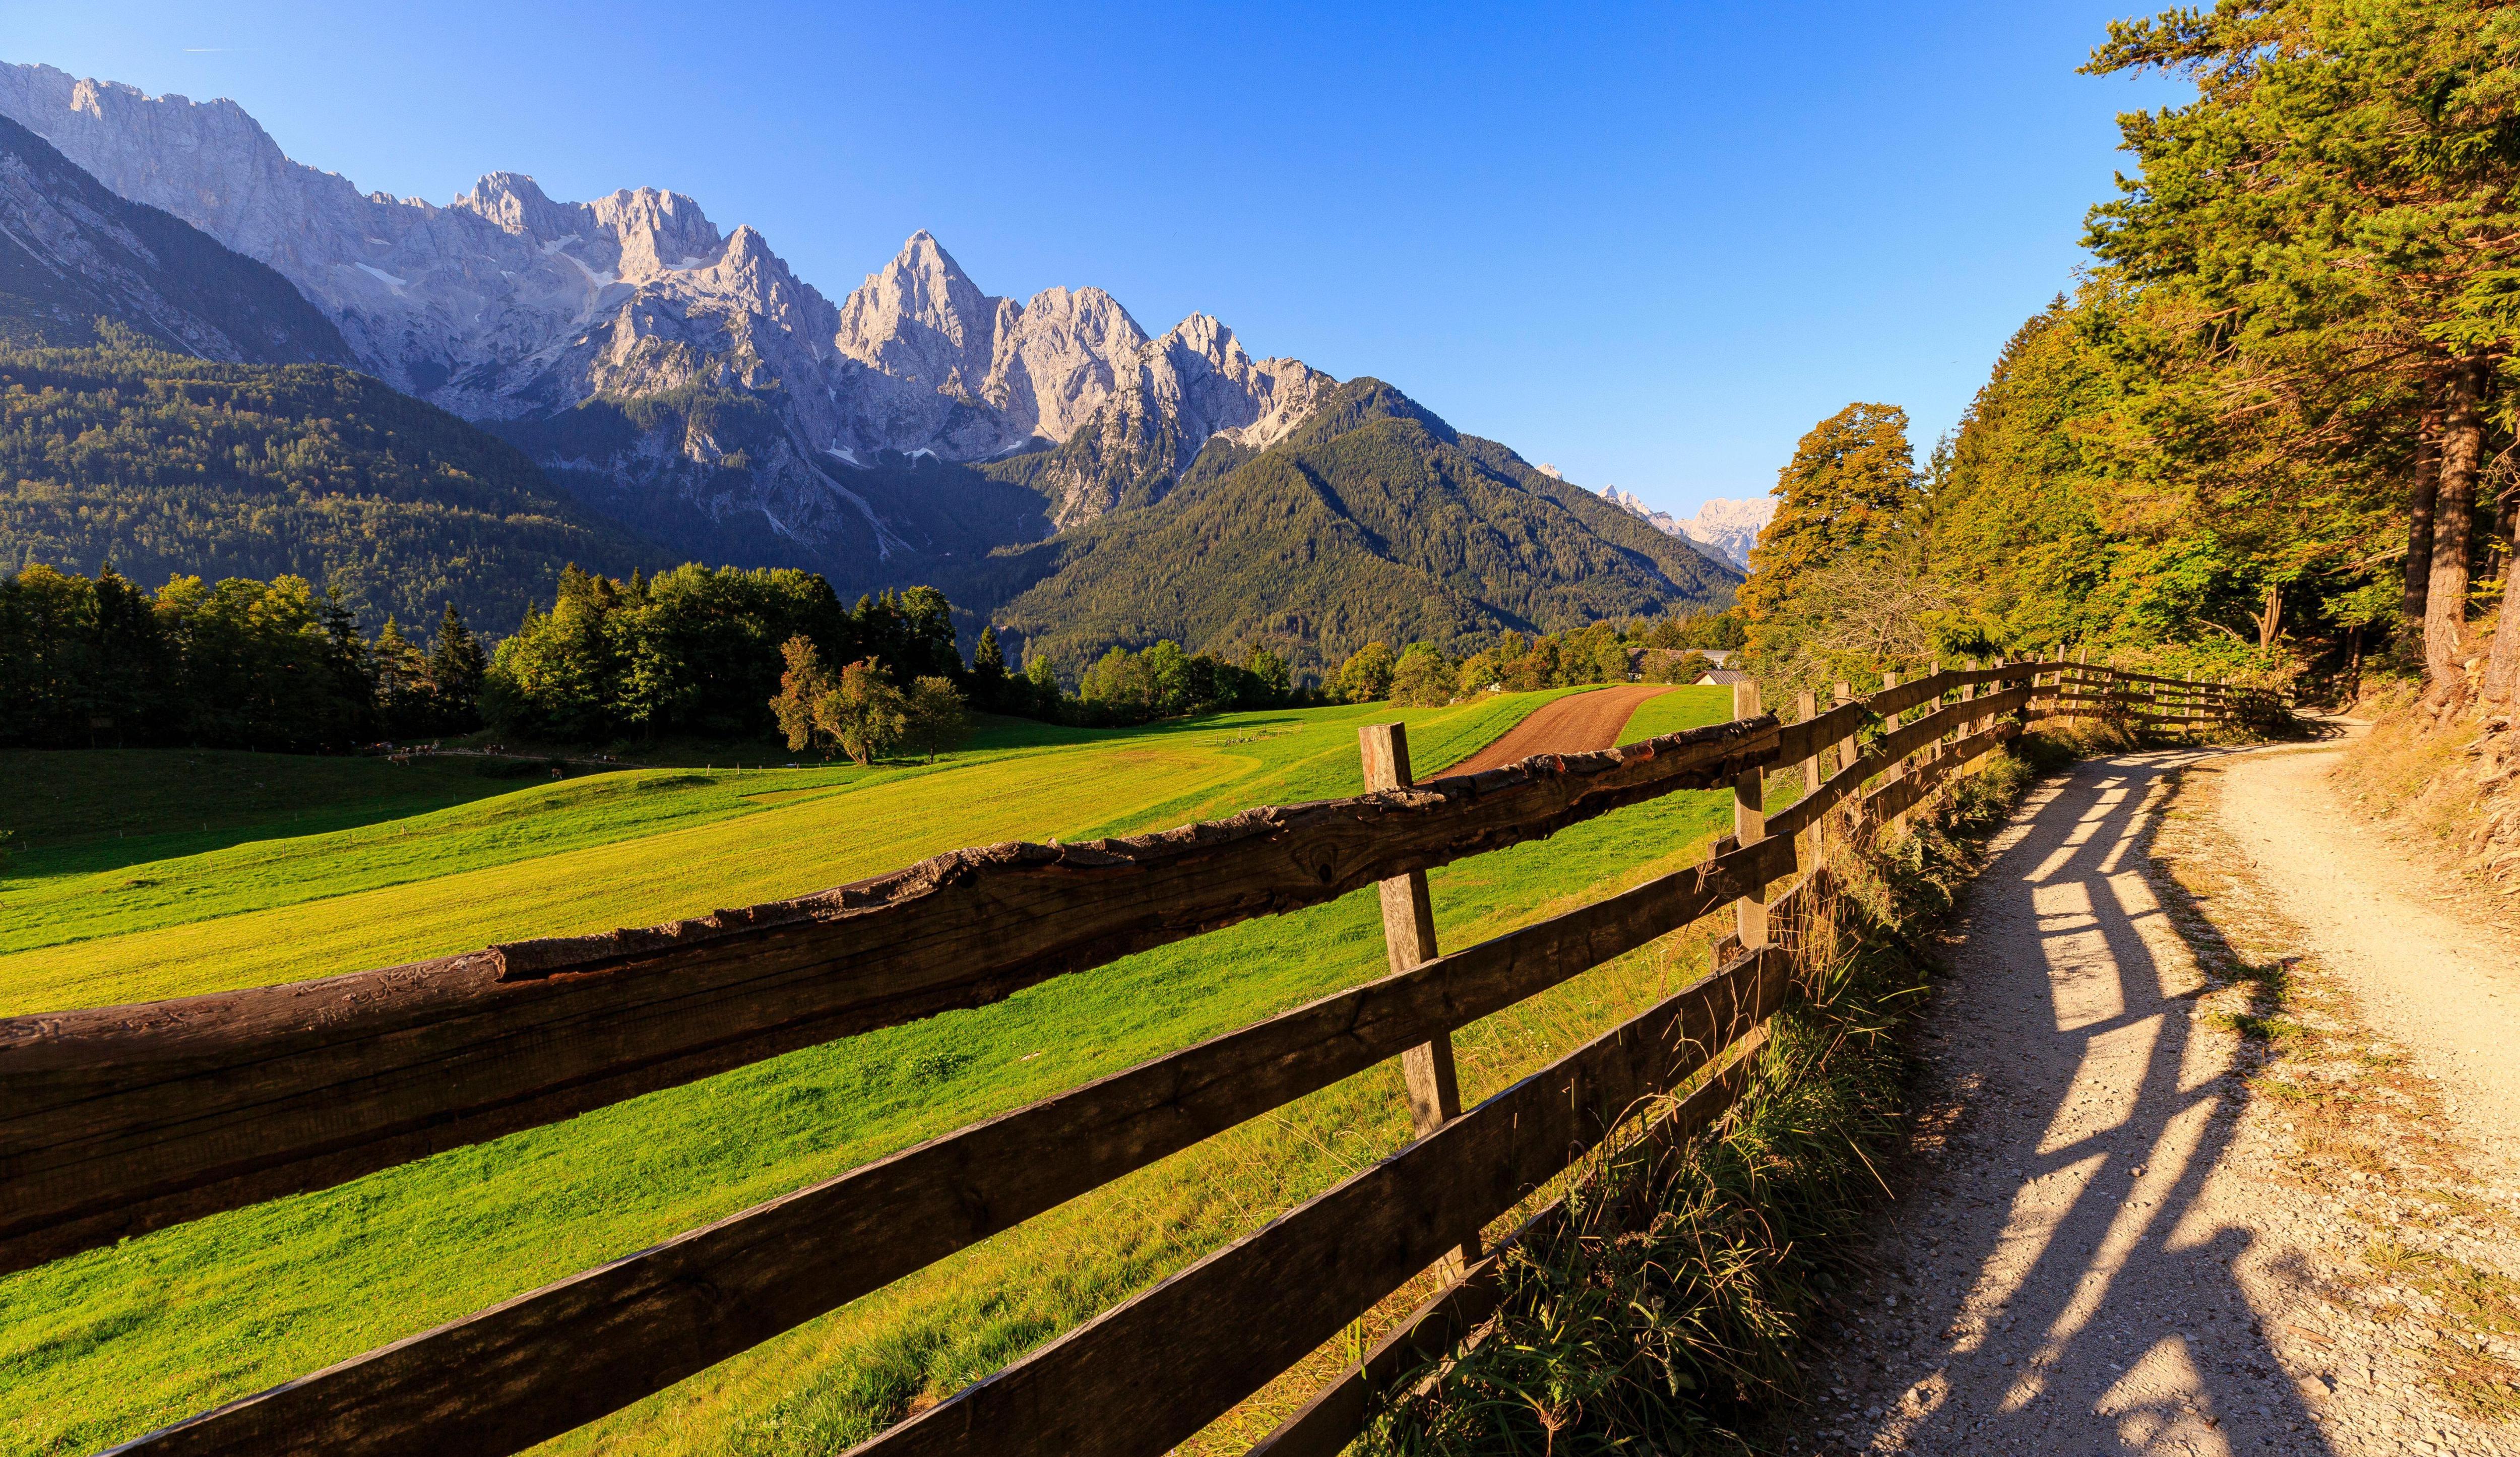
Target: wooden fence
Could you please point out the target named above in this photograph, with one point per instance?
(118, 1120)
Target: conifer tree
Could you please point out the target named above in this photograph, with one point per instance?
(988, 670)
(455, 665)
(405, 704)
(2336, 217)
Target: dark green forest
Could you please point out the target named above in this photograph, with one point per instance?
(282, 664)
(164, 465)
(237, 664)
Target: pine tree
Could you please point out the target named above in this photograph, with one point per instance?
(455, 667)
(988, 670)
(405, 704)
(2335, 221)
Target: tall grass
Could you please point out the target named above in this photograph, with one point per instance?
(1664, 1307)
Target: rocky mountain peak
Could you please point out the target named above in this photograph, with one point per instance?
(1726, 528)
(517, 204)
(658, 231)
(920, 318)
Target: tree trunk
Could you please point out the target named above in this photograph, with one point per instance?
(2503, 669)
(2463, 446)
(2419, 519)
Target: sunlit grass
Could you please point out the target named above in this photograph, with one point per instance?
(100, 1348)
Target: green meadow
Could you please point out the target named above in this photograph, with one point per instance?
(103, 1347)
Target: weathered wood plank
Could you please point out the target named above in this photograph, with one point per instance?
(2123, 676)
(1749, 826)
(118, 1120)
(1902, 794)
(563, 1355)
(1889, 749)
(1143, 1377)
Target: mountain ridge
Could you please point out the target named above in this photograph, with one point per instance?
(1047, 463)
(73, 253)
(506, 305)
(1372, 520)
(1727, 527)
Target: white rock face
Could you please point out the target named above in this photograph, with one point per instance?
(1167, 400)
(1730, 527)
(506, 304)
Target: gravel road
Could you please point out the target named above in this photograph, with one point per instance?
(2196, 1171)
(2445, 985)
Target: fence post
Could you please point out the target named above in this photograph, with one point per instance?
(1807, 846)
(1750, 825)
(1845, 755)
(1946, 743)
(1409, 941)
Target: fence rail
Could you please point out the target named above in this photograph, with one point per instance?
(122, 1119)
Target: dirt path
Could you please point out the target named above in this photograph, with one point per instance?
(2172, 1194)
(2443, 985)
(1568, 725)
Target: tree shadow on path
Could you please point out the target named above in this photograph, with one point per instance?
(2069, 1282)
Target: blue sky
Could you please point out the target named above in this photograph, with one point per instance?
(1649, 243)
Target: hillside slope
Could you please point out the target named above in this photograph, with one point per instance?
(72, 252)
(163, 464)
(1373, 519)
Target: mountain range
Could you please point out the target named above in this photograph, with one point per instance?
(680, 379)
(1727, 527)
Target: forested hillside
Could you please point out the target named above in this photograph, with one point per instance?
(72, 252)
(1374, 521)
(164, 465)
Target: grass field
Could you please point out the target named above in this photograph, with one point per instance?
(100, 1348)
(1681, 709)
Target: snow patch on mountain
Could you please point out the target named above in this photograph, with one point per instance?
(1729, 528)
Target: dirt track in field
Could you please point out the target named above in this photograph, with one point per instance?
(1570, 726)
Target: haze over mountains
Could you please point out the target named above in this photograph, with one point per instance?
(681, 380)
(1730, 527)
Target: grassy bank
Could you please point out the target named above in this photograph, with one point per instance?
(2452, 780)
(100, 1348)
